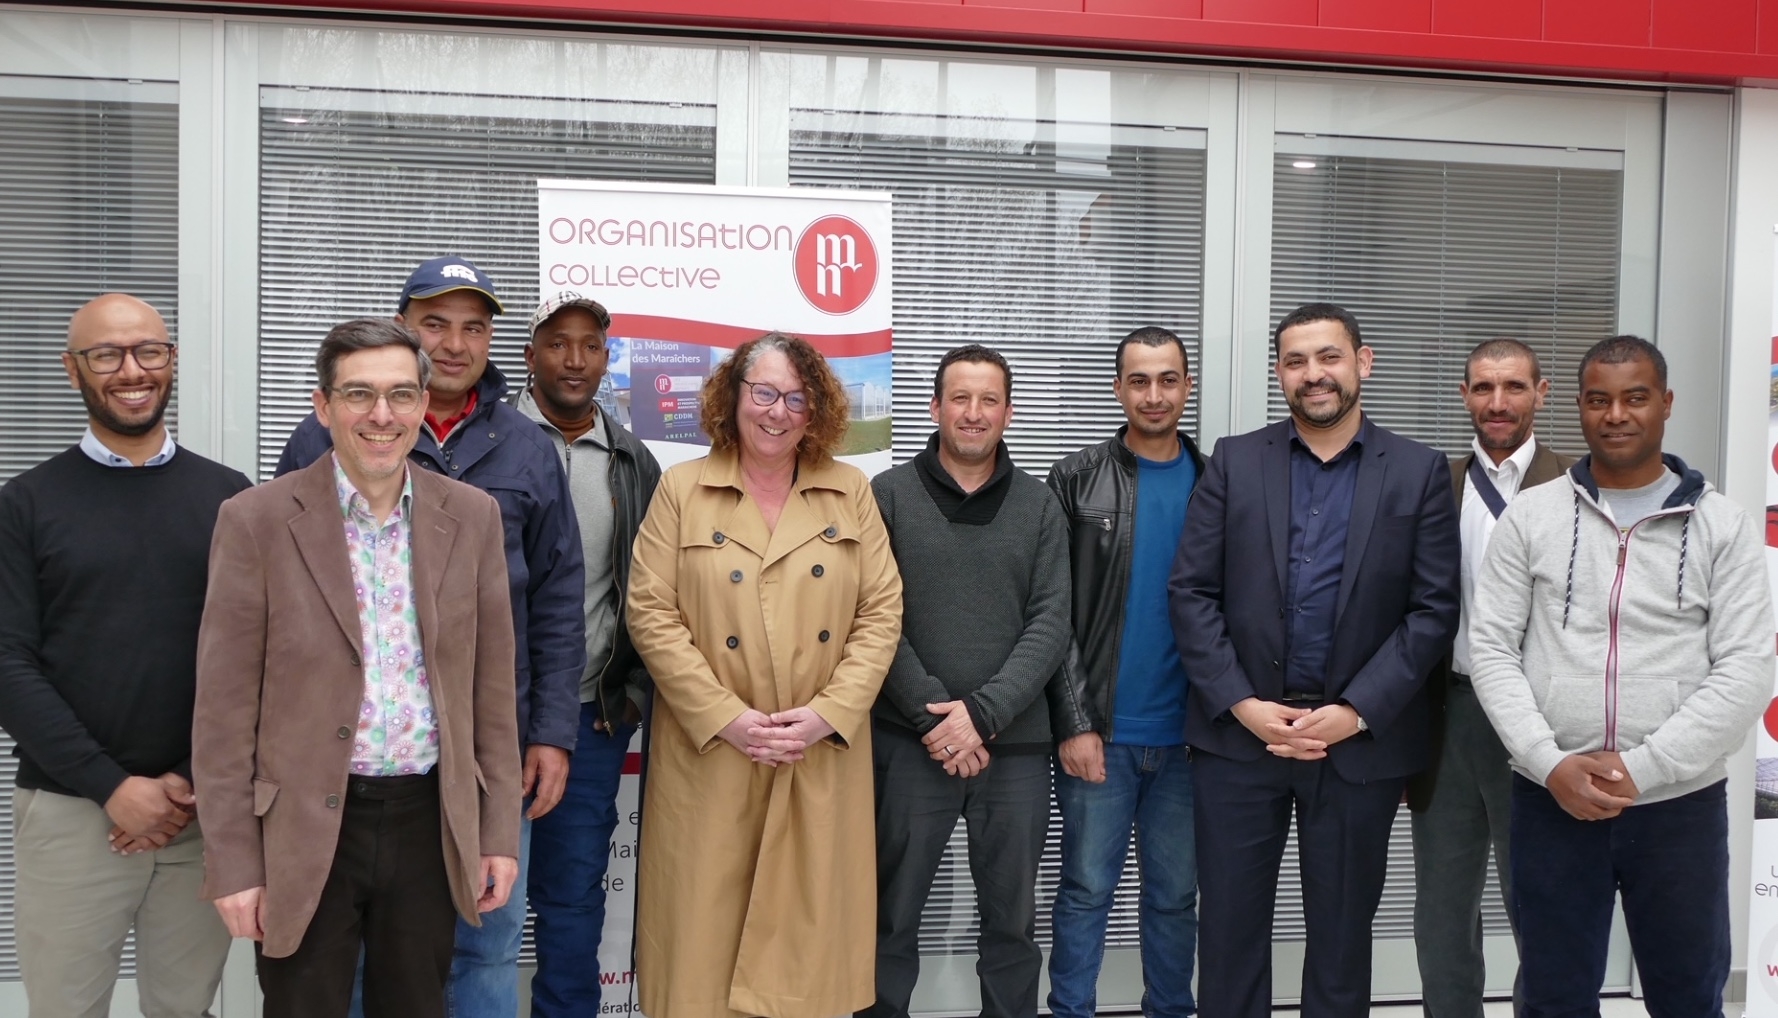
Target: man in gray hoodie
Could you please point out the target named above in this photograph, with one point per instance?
(1622, 648)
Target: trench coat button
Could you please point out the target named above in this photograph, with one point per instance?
(830, 533)
(823, 636)
(492, 435)
(733, 643)
(817, 571)
(1274, 664)
(344, 732)
(735, 577)
(456, 466)
(719, 538)
(333, 802)
(355, 661)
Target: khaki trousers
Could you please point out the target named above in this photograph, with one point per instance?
(76, 901)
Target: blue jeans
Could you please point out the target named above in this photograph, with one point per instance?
(1148, 789)
(1669, 861)
(480, 986)
(570, 851)
(485, 968)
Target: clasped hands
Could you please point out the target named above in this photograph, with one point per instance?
(1297, 733)
(774, 739)
(954, 742)
(1592, 786)
(147, 813)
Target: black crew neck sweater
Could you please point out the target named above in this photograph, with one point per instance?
(986, 602)
(102, 578)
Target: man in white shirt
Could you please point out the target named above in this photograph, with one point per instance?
(1462, 803)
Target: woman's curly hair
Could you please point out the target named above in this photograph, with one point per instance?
(829, 410)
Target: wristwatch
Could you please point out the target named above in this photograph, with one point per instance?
(1361, 725)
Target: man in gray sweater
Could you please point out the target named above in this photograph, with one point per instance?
(962, 726)
(1622, 648)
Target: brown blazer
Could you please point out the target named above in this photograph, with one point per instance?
(1546, 465)
(280, 685)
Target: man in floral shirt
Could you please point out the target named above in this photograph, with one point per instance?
(355, 743)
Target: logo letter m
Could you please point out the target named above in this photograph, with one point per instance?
(833, 253)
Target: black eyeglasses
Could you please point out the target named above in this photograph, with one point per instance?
(363, 399)
(765, 395)
(108, 359)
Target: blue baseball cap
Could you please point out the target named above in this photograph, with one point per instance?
(442, 275)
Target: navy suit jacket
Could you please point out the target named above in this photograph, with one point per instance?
(1397, 609)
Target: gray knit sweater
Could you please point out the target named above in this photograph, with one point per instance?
(986, 599)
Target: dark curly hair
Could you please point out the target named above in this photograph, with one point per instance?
(829, 411)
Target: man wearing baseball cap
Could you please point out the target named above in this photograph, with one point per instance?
(611, 477)
(472, 435)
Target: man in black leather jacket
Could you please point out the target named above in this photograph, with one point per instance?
(1118, 709)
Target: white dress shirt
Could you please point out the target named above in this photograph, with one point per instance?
(96, 450)
(1476, 523)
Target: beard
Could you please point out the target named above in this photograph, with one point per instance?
(102, 412)
(1343, 403)
(1521, 430)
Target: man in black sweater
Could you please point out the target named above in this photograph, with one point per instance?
(104, 550)
(983, 552)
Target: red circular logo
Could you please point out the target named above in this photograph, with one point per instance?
(836, 265)
(1771, 719)
(663, 384)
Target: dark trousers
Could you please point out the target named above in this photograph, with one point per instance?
(1243, 817)
(1006, 808)
(1669, 860)
(1470, 810)
(387, 892)
(570, 852)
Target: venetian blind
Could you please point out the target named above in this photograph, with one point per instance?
(1434, 257)
(89, 203)
(353, 196)
(1049, 253)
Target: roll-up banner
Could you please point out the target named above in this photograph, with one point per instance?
(1762, 909)
(689, 273)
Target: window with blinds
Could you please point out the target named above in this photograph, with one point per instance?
(89, 196)
(358, 188)
(1436, 256)
(1048, 252)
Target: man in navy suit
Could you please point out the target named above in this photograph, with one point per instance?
(1310, 599)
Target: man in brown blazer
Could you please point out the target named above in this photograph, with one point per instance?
(355, 745)
(1462, 804)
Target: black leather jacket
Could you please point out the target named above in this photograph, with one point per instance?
(1097, 486)
(634, 476)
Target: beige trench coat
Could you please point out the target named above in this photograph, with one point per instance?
(757, 889)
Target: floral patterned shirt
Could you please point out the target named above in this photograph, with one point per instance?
(397, 729)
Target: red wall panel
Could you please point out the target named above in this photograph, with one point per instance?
(1261, 12)
(1724, 26)
(1702, 41)
(1605, 22)
(1505, 19)
(1379, 15)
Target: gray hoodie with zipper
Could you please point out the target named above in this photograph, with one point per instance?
(1655, 643)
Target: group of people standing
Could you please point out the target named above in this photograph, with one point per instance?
(398, 700)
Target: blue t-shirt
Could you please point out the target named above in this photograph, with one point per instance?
(1150, 701)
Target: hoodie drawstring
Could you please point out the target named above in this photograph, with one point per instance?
(1685, 531)
(1573, 553)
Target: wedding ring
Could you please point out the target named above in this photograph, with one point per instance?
(950, 750)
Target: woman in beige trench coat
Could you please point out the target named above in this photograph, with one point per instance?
(766, 603)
